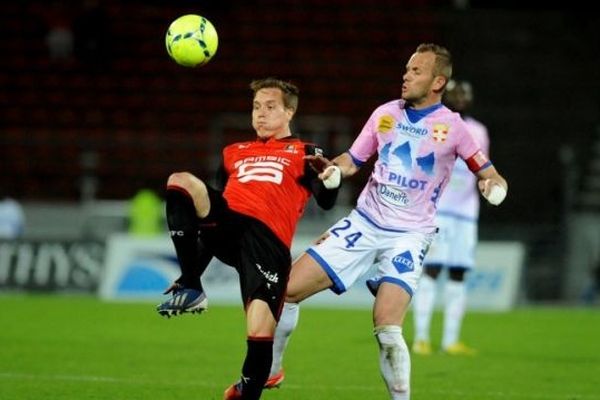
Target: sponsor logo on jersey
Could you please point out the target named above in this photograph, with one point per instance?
(261, 168)
(392, 195)
(440, 132)
(255, 159)
(412, 131)
(270, 276)
(385, 124)
(403, 262)
(406, 182)
(261, 171)
(290, 148)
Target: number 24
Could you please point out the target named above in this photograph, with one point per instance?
(350, 238)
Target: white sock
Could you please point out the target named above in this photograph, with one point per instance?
(394, 361)
(423, 304)
(285, 327)
(455, 295)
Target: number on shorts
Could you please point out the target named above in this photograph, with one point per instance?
(350, 238)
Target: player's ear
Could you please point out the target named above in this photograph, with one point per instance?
(290, 113)
(439, 82)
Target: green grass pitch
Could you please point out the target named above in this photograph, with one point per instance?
(71, 347)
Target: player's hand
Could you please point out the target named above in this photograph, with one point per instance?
(494, 192)
(318, 163)
(331, 177)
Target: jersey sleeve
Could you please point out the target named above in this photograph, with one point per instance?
(221, 176)
(324, 197)
(485, 141)
(470, 150)
(480, 133)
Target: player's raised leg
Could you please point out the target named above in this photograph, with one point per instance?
(187, 200)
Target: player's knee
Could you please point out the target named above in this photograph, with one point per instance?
(187, 181)
(389, 335)
(297, 293)
(179, 179)
(391, 304)
(293, 297)
(457, 274)
(306, 278)
(195, 187)
(432, 270)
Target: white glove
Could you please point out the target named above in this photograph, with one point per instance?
(334, 180)
(496, 195)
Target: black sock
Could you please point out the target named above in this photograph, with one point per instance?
(257, 365)
(183, 228)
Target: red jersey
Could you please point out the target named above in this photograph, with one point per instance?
(266, 181)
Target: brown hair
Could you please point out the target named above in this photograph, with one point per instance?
(443, 59)
(289, 90)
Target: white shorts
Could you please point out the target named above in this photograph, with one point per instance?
(355, 244)
(454, 245)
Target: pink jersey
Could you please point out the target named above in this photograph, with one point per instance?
(413, 166)
(461, 197)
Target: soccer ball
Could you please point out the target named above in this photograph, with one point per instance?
(191, 40)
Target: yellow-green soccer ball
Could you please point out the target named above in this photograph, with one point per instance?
(191, 40)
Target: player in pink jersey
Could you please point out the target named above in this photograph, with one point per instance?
(454, 246)
(417, 140)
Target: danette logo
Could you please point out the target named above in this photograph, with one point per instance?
(393, 196)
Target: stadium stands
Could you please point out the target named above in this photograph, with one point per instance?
(143, 116)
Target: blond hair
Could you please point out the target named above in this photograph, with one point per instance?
(443, 59)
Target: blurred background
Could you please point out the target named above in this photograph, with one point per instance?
(94, 116)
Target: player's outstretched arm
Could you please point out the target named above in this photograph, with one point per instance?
(320, 164)
(331, 172)
(346, 164)
(492, 185)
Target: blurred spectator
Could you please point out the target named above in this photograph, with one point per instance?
(591, 292)
(145, 214)
(454, 246)
(92, 34)
(12, 219)
(596, 284)
(59, 36)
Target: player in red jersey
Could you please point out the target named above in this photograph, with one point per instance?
(249, 225)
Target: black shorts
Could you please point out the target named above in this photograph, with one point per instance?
(262, 260)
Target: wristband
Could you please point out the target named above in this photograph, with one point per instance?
(497, 195)
(334, 180)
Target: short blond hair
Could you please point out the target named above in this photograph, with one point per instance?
(443, 59)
